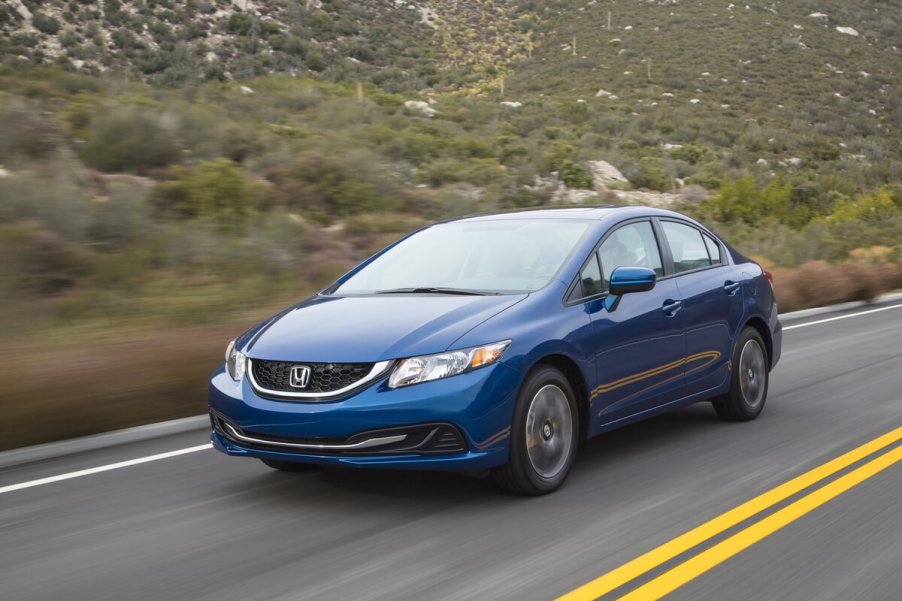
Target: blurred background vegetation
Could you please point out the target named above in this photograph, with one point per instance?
(172, 172)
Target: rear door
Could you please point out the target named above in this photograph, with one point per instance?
(639, 344)
(711, 292)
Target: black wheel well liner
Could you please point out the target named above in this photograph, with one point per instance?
(760, 325)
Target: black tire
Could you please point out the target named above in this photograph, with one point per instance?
(748, 381)
(291, 466)
(555, 414)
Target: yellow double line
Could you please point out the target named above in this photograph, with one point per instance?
(720, 552)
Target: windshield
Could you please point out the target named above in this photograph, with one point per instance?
(507, 255)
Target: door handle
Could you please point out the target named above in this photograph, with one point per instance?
(731, 287)
(671, 307)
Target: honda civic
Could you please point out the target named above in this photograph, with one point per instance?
(499, 342)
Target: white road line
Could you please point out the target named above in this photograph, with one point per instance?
(814, 323)
(104, 468)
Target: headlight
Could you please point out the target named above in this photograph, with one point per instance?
(236, 361)
(442, 365)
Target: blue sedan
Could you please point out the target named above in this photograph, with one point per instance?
(499, 342)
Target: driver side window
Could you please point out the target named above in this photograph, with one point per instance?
(632, 245)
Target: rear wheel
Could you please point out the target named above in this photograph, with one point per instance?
(290, 466)
(544, 435)
(749, 380)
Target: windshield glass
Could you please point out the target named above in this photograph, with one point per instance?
(507, 255)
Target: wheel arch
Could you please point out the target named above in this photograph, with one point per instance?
(761, 326)
(574, 375)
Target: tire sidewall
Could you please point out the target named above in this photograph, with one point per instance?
(519, 457)
(736, 397)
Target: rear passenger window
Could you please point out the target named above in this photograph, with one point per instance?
(713, 249)
(687, 247)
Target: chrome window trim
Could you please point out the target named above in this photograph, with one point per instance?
(379, 369)
(363, 444)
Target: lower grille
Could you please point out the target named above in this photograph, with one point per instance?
(418, 439)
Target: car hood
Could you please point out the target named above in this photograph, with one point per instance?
(359, 329)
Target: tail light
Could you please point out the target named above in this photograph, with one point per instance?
(770, 277)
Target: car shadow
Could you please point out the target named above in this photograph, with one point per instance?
(656, 433)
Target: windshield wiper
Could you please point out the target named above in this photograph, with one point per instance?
(433, 290)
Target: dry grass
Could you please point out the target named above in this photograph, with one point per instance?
(89, 388)
(818, 283)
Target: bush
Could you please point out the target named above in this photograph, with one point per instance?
(650, 174)
(45, 23)
(338, 186)
(480, 172)
(125, 40)
(129, 138)
(26, 132)
(819, 283)
(744, 200)
(9, 16)
(122, 218)
(574, 175)
(39, 261)
(217, 190)
(240, 23)
(52, 198)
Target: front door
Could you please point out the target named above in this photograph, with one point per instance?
(640, 347)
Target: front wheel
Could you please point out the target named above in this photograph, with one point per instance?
(749, 380)
(544, 435)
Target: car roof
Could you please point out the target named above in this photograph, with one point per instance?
(594, 213)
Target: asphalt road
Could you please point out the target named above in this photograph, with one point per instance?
(205, 526)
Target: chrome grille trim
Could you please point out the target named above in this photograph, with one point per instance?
(378, 370)
(363, 444)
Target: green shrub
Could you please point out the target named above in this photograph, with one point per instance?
(129, 138)
(480, 172)
(26, 132)
(874, 208)
(691, 153)
(217, 190)
(574, 175)
(240, 23)
(45, 23)
(125, 39)
(69, 39)
(650, 174)
(9, 16)
(744, 200)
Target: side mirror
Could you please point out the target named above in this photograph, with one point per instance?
(632, 279)
(628, 279)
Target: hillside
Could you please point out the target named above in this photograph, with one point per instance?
(397, 44)
(774, 88)
(185, 42)
(771, 87)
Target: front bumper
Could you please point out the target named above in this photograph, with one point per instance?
(477, 406)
